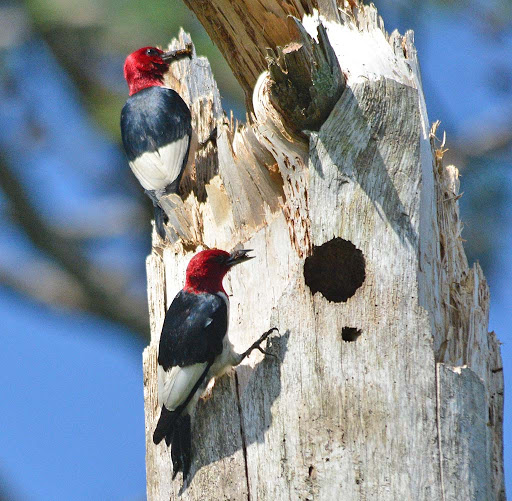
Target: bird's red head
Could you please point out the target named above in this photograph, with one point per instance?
(144, 68)
(207, 269)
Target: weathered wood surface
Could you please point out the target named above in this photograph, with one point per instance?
(376, 417)
(464, 435)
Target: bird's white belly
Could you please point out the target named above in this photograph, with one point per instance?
(227, 358)
(224, 361)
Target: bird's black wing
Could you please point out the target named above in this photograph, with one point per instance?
(156, 128)
(194, 329)
(153, 118)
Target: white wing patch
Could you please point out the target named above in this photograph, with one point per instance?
(175, 385)
(155, 170)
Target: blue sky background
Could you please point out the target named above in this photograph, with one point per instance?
(71, 382)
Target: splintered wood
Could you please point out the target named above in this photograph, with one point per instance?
(396, 391)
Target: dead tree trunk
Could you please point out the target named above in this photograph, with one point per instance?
(386, 384)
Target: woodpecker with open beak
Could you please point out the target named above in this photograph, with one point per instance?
(194, 348)
(156, 126)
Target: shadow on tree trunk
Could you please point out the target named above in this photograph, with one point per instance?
(245, 379)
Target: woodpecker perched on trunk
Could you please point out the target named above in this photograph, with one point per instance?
(194, 348)
(156, 126)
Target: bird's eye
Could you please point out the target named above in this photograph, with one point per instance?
(152, 52)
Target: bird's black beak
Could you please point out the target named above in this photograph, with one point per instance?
(238, 256)
(175, 55)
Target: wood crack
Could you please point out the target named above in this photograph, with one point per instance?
(438, 426)
(242, 435)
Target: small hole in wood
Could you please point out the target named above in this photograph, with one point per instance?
(336, 269)
(350, 333)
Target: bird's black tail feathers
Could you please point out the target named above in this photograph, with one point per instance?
(165, 424)
(176, 429)
(181, 446)
(160, 220)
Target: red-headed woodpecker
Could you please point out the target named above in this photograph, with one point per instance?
(194, 348)
(156, 126)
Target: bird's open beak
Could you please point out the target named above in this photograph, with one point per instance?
(238, 256)
(174, 55)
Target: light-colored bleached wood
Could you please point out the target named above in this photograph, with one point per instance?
(464, 435)
(413, 408)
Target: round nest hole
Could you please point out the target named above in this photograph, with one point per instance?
(350, 334)
(336, 269)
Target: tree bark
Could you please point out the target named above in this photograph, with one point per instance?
(386, 384)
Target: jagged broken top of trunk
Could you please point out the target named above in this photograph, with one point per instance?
(287, 59)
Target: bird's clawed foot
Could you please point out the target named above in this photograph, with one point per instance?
(256, 345)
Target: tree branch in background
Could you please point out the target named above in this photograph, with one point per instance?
(101, 295)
